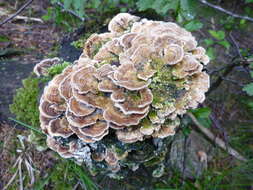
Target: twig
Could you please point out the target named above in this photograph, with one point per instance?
(226, 11)
(232, 81)
(25, 18)
(229, 68)
(18, 12)
(218, 141)
(10, 181)
(20, 175)
(70, 11)
(236, 45)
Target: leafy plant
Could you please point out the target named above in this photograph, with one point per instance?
(220, 37)
(193, 25)
(63, 11)
(248, 89)
(183, 9)
(65, 175)
(202, 114)
(248, 1)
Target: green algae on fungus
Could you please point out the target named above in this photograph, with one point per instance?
(130, 85)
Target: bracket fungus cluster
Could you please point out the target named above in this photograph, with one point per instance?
(130, 84)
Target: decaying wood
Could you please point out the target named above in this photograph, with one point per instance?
(218, 141)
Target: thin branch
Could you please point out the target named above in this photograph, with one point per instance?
(218, 141)
(18, 12)
(229, 68)
(70, 11)
(235, 82)
(226, 11)
(25, 18)
(10, 181)
(236, 45)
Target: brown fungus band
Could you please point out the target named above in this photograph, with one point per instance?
(133, 82)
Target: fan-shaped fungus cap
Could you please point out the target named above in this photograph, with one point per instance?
(96, 129)
(136, 102)
(65, 89)
(59, 127)
(126, 76)
(112, 114)
(52, 94)
(41, 68)
(82, 121)
(65, 151)
(188, 66)
(79, 108)
(111, 158)
(127, 136)
(93, 100)
(167, 129)
(47, 110)
(84, 80)
(173, 54)
(98, 156)
(121, 22)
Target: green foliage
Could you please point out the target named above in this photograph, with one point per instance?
(25, 102)
(202, 114)
(218, 38)
(78, 44)
(224, 43)
(65, 175)
(208, 42)
(25, 105)
(211, 52)
(248, 1)
(237, 178)
(183, 9)
(219, 35)
(4, 38)
(193, 25)
(57, 69)
(61, 18)
(161, 7)
(248, 89)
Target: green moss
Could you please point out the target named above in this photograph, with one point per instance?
(164, 86)
(25, 104)
(57, 69)
(79, 44)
